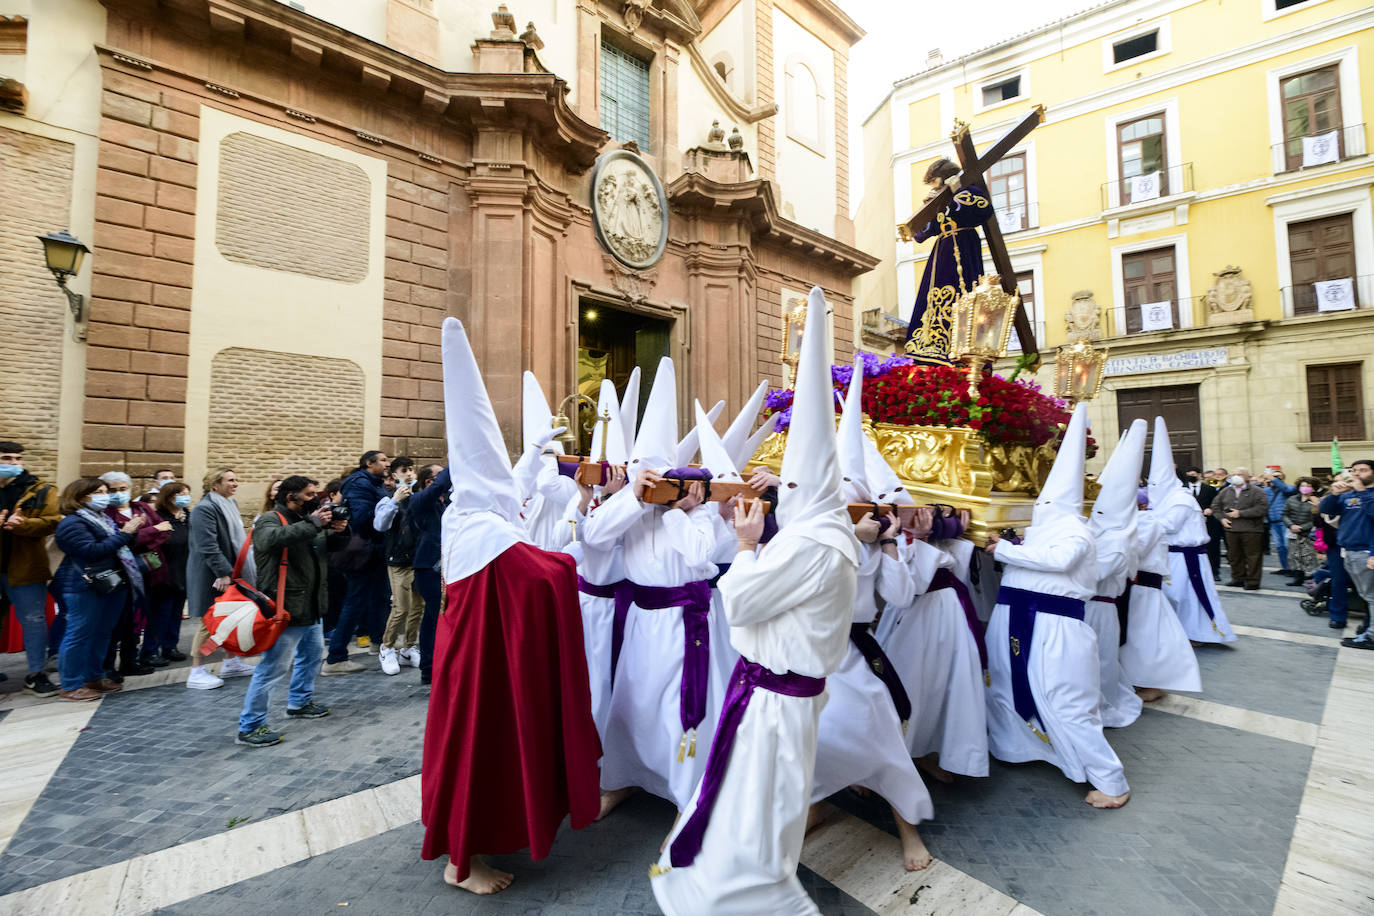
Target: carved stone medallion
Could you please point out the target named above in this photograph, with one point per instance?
(1230, 292)
(629, 209)
(1083, 319)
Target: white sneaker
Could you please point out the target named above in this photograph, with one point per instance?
(200, 678)
(411, 656)
(390, 664)
(233, 666)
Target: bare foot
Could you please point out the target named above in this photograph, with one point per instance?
(1150, 694)
(481, 879)
(928, 765)
(609, 800)
(1100, 799)
(814, 816)
(915, 856)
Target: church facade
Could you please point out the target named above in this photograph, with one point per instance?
(1197, 200)
(285, 200)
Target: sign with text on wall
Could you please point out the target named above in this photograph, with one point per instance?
(1167, 362)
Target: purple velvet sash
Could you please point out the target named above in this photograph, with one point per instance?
(623, 593)
(1023, 606)
(1191, 557)
(1122, 603)
(746, 677)
(945, 578)
(882, 666)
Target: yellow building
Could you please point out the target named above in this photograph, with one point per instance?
(1198, 196)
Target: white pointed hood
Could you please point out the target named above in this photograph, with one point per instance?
(629, 406)
(850, 440)
(737, 435)
(810, 504)
(1114, 509)
(1062, 494)
(656, 444)
(751, 445)
(883, 483)
(617, 451)
(1165, 487)
(482, 520)
(687, 448)
(715, 457)
(535, 417)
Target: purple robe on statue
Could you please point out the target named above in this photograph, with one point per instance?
(945, 277)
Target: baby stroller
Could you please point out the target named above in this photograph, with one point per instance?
(1319, 594)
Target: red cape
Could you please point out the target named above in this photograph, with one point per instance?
(510, 746)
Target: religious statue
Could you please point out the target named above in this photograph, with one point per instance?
(716, 135)
(954, 265)
(1229, 298)
(629, 209)
(1083, 320)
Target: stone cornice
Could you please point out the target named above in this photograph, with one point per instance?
(757, 201)
(722, 94)
(274, 26)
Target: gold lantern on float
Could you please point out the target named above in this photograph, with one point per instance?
(793, 326)
(1078, 371)
(982, 326)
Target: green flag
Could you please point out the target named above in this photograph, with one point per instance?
(1337, 466)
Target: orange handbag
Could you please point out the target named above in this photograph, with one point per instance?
(242, 620)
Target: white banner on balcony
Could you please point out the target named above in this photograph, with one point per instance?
(1145, 187)
(1010, 219)
(1335, 295)
(1320, 149)
(1156, 316)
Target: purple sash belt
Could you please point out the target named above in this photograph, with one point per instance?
(944, 578)
(1023, 607)
(695, 600)
(882, 666)
(746, 677)
(1191, 557)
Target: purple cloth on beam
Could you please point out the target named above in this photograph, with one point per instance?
(944, 578)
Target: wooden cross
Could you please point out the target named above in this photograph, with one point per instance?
(972, 169)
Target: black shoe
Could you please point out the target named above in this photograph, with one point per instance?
(1357, 643)
(38, 685)
(1337, 624)
(137, 669)
(1234, 583)
(155, 661)
(174, 655)
(309, 711)
(115, 676)
(262, 736)
(1252, 588)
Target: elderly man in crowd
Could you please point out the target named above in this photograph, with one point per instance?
(1243, 509)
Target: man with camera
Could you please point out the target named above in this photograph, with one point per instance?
(307, 531)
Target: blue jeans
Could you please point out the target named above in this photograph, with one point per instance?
(298, 648)
(30, 607)
(430, 586)
(364, 600)
(1335, 603)
(91, 620)
(1278, 537)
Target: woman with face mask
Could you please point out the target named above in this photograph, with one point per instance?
(1299, 519)
(93, 584)
(147, 548)
(167, 598)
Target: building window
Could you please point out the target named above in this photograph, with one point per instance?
(624, 96)
(1285, 4)
(1003, 91)
(1141, 146)
(805, 112)
(1335, 402)
(1137, 46)
(1007, 185)
(1025, 285)
(1311, 108)
(1318, 250)
(1149, 278)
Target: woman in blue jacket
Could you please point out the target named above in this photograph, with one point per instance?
(95, 549)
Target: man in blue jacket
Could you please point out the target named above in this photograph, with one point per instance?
(426, 512)
(1355, 534)
(367, 599)
(1278, 493)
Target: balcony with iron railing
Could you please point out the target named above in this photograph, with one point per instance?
(1020, 218)
(1336, 145)
(1152, 186)
(1328, 296)
(1183, 314)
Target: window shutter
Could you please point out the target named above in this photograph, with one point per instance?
(1335, 402)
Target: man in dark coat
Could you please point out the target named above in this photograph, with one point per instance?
(306, 531)
(1204, 493)
(368, 599)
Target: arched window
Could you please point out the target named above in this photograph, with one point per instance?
(724, 67)
(805, 101)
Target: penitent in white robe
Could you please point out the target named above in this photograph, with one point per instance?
(1185, 526)
(861, 741)
(603, 564)
(1057, 558)
(666, 548)
(937, 657)
(789, 610)
(1119, 705)
(1157, 652)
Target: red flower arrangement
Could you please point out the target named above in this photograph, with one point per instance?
(1005, 412)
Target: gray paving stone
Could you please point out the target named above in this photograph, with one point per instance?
(1268, 675)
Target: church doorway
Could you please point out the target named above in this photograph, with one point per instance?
(611, 342)
(1178, 405)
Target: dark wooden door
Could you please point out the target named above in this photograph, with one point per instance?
(1335, 402)
(1319, 249)
(1148, 276)
(1178, 405)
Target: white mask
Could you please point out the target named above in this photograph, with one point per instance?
(1236, 480)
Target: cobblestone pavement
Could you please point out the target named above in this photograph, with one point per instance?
(1207, 829)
